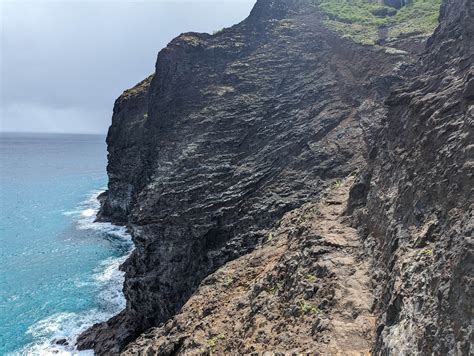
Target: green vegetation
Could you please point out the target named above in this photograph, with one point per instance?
(275, 288)
(228, 281)
(311, 278)
(307, 308)
(339, 183)
(427, 252)
(270, 236)
(212, 343)
(366, 21)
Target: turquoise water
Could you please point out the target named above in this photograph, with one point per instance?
(59, 270)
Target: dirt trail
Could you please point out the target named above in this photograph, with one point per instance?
(352, 319)
(307, 289)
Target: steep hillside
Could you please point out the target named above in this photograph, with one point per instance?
(232, 164)
(417, 200)
(306, 289)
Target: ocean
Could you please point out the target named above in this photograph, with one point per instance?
(59, 270)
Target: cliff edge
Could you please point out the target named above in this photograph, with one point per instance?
(232, 164)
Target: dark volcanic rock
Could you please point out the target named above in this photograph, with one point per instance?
(125, 145)
(306, 289)
(233, 130)
(417, 198)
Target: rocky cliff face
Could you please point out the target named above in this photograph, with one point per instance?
(417, 215)
(233, 131)
(127, 162)
(307, 288)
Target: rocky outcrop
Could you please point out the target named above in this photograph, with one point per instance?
(416, 200)
(306, 288)
(229, 166)
(125, 145)
(232, 131)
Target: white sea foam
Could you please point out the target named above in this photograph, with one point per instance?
(88, 212)
(66, 327)
(85, 218)
(60, 326)
(111, 278)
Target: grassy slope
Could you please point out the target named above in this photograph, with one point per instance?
(355, 19)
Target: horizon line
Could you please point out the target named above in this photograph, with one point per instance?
(52, 133)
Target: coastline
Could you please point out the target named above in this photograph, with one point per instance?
(57, 334)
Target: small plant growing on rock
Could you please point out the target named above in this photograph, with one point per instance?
(211, 343)
(311, 278)
(338, 183)
(270, 237)
(427, 252)
(307, 308)
(275, 288)
(228, 281)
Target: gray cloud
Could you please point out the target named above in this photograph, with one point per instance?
(63, 63)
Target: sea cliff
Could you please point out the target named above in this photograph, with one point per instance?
(261, 168)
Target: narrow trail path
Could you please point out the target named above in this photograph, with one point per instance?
(305, 290)
(351, 317)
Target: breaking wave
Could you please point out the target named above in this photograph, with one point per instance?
(57, 334)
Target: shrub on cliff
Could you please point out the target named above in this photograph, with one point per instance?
(360, 20)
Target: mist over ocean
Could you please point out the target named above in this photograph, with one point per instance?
(59, 270)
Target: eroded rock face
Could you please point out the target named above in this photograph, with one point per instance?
(417, 212)
(236, 129)
(233, 130)
(126, 164)
(306, 289)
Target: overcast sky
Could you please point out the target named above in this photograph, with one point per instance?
(63, 63)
